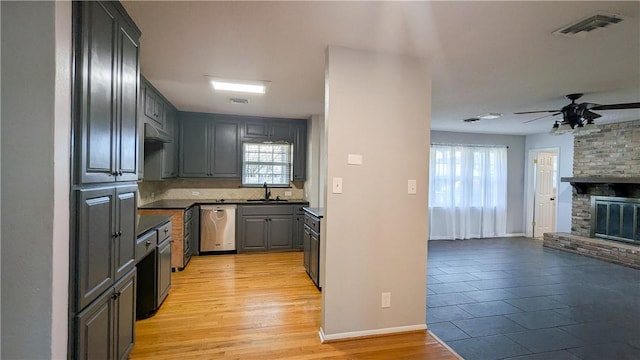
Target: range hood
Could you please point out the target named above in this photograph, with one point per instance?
(153, 133)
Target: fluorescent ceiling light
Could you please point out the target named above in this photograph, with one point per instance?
(252, 87)
(490, 116)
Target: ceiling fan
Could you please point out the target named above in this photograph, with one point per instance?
(578, 115)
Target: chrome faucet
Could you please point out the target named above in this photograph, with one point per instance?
(267, 193)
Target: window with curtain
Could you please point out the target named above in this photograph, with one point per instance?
(467, 191)
(266, 162)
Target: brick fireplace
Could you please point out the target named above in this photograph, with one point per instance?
(606, 176)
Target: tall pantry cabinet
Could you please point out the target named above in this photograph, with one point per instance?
(106, 82)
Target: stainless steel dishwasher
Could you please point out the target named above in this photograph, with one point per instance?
(217, 228)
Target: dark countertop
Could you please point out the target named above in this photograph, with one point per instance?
(187, 203)
(148, 222)
(315, 211)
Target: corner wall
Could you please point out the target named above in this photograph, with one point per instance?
(375, 234)
(32, 185)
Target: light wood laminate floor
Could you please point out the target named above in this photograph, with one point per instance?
(257, 306)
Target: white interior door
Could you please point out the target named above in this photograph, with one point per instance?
(545, 193)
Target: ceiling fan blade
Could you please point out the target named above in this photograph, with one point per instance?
(617, 106)
(542, 117)
(533, 112)
(591, 115)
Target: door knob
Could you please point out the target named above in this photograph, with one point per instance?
(552, 199)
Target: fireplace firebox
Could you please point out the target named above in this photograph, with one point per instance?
(615, 218)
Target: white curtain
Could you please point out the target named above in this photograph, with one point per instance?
(467, 192)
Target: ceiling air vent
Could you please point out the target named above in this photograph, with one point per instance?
(235, 100)
(469, 120)
(581, 28)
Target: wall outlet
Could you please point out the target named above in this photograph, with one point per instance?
(412, 187)
(287, 193)
(386, 300)
(153, 196)
(195, 193)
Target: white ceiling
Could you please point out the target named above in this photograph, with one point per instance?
(497, 56)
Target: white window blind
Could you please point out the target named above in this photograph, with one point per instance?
(266, 162)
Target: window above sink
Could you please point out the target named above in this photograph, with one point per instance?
(266, 162)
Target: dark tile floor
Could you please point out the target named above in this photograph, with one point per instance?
(511, 298)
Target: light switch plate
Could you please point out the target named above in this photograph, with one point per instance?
(386, 300)
(412, 187)
(354, 159)
(337, 185)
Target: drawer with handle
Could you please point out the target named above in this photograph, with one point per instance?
(145, 243)
(313, 223)
(164, 232)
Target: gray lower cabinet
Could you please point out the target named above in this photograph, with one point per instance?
(311, 244)
(105, 329)
(106, 240)
(298, 227)
(163, 261)
(265, 227)
(209, 146)
(306, 246)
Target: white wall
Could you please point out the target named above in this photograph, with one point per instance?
(515, 169)
(35, 178)
(377, 106)
(564, 144)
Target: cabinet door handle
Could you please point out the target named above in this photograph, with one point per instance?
(119, 233)
(166, 231)
(148, 242)
(115, 235)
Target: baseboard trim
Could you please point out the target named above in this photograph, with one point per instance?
(514, 235)
(324, 338)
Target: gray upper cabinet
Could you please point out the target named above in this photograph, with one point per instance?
(194, 147)
(268, 129)
(170, 150)
(300, 150)
(161, 159)
(107, 81)
(154, 106)
(209, 146)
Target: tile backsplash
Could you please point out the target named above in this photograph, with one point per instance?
(149, 191)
